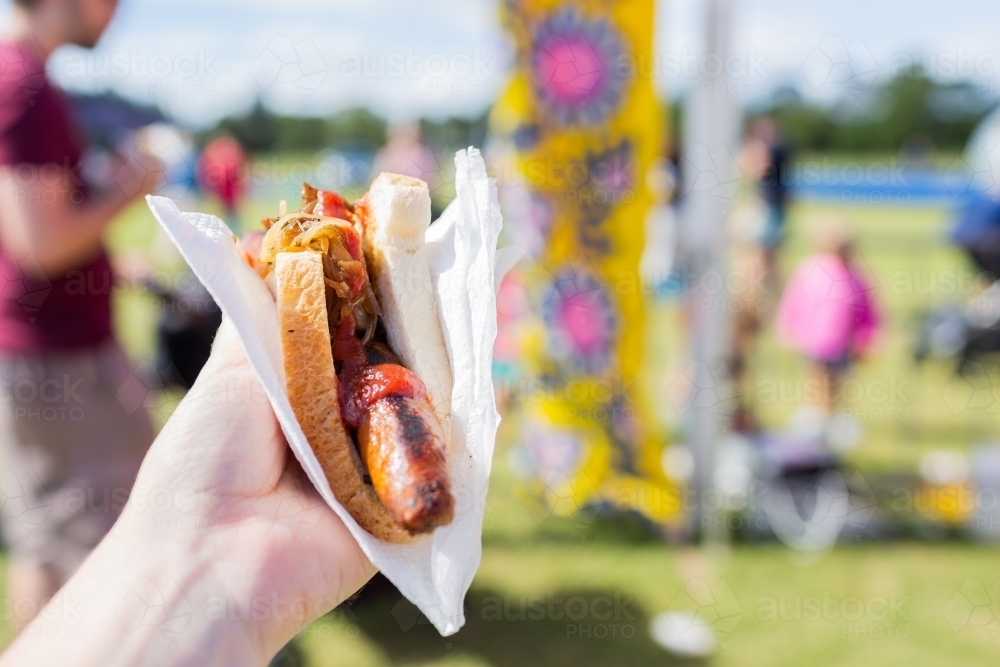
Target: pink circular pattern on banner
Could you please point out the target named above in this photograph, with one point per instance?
(582, 322)
(573, 67)
(569, 69)
(584, 325)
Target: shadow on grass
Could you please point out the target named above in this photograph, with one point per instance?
(602, 526)
(583, 628)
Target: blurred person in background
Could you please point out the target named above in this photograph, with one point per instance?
(220, 172)
(405, 153)
(660, 262)
(767, 156)
(828, 311)
(757, 231)
(70, 450)
(750, 304)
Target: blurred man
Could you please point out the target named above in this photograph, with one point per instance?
(70, 450)
(772, 184)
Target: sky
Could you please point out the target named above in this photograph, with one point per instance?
(203, 59)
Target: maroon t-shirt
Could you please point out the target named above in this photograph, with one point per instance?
(38, 141)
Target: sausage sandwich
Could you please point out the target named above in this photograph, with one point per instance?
(366, 367)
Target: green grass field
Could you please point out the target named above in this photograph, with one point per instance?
(899, 603)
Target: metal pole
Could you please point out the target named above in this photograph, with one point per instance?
(710, 175)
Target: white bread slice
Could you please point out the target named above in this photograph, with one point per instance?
(312, 387)
(397, 266)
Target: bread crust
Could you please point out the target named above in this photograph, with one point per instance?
(399, 214)
(312, 385)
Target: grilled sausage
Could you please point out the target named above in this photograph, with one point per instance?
(397, 433)
(400, 443)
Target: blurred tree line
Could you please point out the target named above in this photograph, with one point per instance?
(909, 111)
(263, 131)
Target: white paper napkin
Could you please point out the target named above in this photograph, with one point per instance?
(436, 571)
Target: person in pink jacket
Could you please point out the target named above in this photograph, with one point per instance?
(828, 312)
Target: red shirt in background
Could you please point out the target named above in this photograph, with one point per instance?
(38, 141)
(220, 171)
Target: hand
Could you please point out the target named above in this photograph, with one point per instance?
(140, 174)
(222, 529)
(141, 171)
(224, 458)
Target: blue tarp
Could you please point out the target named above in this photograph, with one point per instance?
(880, 185)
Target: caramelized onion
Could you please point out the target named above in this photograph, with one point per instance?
(348, 288)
